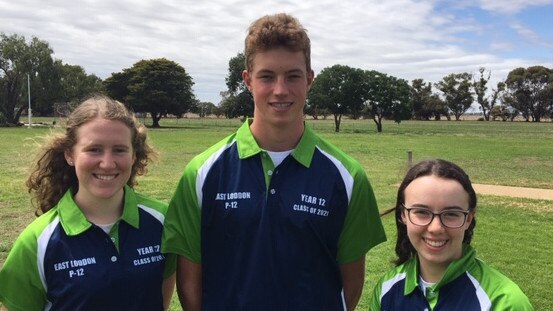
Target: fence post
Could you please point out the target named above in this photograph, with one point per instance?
(409, 158)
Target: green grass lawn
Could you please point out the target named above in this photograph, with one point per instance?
(512, 235)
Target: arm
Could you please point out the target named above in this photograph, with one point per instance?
(353, 277)
(189, 284)
(168, 288)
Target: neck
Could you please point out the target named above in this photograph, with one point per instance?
(277, 138)
(101, 211)
(431, 273)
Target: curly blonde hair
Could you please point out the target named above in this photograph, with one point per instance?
(51, 176)
(274, 31)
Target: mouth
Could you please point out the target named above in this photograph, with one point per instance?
(434, 243)
(105, 177)
(281, 105)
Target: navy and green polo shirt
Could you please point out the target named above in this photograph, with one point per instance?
(468, 284)
(63, 262)
(272, 238)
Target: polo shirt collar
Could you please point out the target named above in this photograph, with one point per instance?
(453, 271)
(74, 221)
(247, 145)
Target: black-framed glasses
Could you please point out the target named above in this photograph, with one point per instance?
(452, 219)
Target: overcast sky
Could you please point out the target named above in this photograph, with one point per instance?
(405, 38)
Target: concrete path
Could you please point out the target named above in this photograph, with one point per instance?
(517, 192)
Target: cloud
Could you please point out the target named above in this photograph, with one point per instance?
(409, 39)
(512, 6)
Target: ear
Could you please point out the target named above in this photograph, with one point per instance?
(310, 78)
(247, 79)
(68, 158)
(470, 217)
(403, 218)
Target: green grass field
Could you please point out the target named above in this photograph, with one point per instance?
(512, 235)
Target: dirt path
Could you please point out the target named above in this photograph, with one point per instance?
(517, 192)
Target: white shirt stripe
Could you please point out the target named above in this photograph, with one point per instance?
(204, 169)
(386, 286)
(483, 298)
(156, 214)
(42, 244)
(346, 176)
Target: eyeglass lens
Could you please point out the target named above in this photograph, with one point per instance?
(450, 219)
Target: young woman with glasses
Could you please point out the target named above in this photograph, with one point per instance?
(436, 268)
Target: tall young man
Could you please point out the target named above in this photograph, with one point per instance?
(273, 217)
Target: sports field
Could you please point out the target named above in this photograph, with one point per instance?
(512, 234)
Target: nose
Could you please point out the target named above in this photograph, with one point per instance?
(107, 161)
(281, 88)
(435, 224)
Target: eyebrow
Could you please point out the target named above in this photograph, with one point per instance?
(267, 71)
(453, 207)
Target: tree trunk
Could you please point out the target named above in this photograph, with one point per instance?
(378, 121)
(155, 119)
(337, 120)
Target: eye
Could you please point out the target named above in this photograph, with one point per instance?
(120, 149)
(452, 214)
(266, 77)
(94, 150)
(421, 212)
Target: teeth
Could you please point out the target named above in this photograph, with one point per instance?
(281, 105)
(105, 177)
(435, 243)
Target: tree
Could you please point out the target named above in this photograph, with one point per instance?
(480, 89)
(234, 81)
(237, 106)
(339, 89)
(76, 84)
(421, 93)
(438, 107)
(237, 101)
(203, 109)
(530, 91)
(457, 93)
(20, 60)
(389, 97)
(157, 86)
(315, 112)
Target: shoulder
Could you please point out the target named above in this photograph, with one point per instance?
(337, 155)
(28, 240)
(143, 200)
(392, 281)
(503, 293)
(394, 275)
(213, 150)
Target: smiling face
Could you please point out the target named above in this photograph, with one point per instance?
(278, 81)
(103, 157)
(436, 245)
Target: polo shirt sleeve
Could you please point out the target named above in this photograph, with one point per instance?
(362, 228)
(375, 298)
(181, 233)
(20, 284)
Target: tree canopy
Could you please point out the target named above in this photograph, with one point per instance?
(530, 91)
(389, 97)
(237, 100)
(23, 63)
(339, 90)
(456, 89)
(156, 86)
(19, 62)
